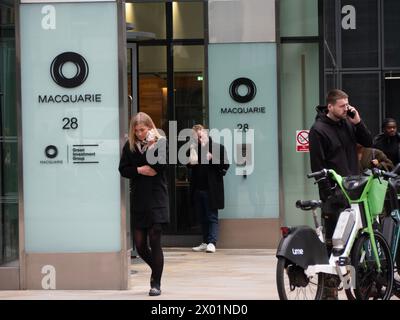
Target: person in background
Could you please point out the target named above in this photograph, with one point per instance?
(148, 192)
(389, 140)
(372, 158)
(208, 164)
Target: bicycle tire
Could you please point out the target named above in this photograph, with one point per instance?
(299, 292)
(369, 284)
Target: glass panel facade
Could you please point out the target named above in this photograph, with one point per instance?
(147, 17)
(189, 110)
(391, 38)
(171, 87)
(188, 20)
(8, 138)
(189, 85)
(363, 94)
(254, 21)
(360, 34)
(9, 233)
(330, 34)
(153, 83)
(392, 97)
(255, 193)
(72, 196)
(299, 95)
(298, 18)
(299, 91)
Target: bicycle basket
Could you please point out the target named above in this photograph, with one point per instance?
(376, 196)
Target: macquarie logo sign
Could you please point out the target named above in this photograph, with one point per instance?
(57, 71)
(242, 91)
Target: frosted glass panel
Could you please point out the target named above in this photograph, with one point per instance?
(188, 19)
(70, 121)
(299, 97)
(241, 21)
(298, 18)
(254, 195)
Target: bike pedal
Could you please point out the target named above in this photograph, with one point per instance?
(344, 261)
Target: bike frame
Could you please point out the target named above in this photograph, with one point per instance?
(338, 264)
(363, 200)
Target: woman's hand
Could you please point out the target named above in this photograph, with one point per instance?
(146, 171)
(375, 162)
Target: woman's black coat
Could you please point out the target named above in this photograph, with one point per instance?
(148, 194)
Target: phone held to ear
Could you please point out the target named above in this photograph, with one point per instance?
(351, 114)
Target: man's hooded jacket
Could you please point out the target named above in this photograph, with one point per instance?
(333, 145)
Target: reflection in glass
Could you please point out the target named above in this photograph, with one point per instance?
(360, 45)
(189, 110)
(147, 17)
(153, 84)
(299, 18)
(391, 13)
(364, 94)
(8, 234)
(188, 20)
(189, 85)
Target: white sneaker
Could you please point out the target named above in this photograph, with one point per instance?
(201, 247)
(210, 248)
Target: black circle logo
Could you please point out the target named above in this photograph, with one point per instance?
(250, 86)
(82, 69)
(51, 152)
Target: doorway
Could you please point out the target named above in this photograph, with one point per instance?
(165, 80)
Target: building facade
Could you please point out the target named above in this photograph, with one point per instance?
(255, 66)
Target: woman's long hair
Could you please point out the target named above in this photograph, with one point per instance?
(144, 119)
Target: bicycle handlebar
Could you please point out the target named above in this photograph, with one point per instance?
(396, 169)
(389, 174)
(381, 173)
(317, 174)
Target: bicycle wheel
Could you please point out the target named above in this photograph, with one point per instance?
(293, 283)
(396, 285)
(370, 283)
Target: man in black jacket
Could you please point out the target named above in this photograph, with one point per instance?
(333, 138)
(389, 140)
(208, 163)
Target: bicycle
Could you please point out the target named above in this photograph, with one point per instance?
(389, 226)
(360, 256)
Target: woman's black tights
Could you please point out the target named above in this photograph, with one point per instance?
(153, 256)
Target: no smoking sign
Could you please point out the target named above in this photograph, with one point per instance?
(302, 141)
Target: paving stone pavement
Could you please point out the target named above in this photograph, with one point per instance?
(228, 274)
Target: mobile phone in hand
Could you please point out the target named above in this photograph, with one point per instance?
(351, 114)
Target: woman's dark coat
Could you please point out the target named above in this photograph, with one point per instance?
(216, 170)
(149, 202)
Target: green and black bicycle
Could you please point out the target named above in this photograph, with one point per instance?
(360, 257)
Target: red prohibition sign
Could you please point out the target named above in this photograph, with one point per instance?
(302, 137)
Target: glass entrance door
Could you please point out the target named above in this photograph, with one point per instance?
(170, 87)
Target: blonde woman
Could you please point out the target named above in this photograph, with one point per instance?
(148, 192)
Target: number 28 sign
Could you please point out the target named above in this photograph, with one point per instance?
(302, 141)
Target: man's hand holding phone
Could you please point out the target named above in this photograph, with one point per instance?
(353, 114)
